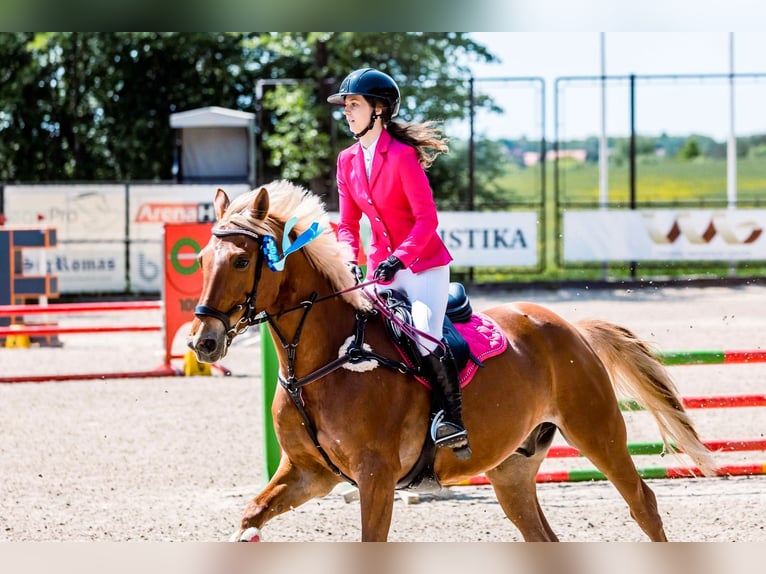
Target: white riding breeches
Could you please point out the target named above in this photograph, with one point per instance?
(428, 292)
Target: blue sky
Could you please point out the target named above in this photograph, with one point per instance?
(691, 106)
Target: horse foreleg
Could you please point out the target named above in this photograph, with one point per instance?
(290, 487)
(376, 499)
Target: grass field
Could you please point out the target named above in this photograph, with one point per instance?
(667, 181)
(659, 183)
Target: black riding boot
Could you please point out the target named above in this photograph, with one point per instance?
(447, 428)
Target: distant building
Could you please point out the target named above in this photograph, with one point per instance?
(533, 158)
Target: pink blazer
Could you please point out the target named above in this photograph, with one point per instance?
(398, 202)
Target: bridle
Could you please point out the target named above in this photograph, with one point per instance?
(249, 316)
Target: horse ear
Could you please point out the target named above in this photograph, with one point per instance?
(260, 206)
(221, 202)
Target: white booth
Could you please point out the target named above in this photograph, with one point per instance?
(214, 144)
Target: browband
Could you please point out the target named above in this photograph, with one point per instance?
(220, 232)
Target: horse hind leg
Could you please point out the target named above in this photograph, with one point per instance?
(619, 469)
(605, 445)
(514, 482)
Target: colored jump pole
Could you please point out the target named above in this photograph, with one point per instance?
(162, 371)
(165, 370)
(57, 308)
(711, 402)
(269, 375)
(658, 448)
(56, 330)
(651, 472)
(712, 357)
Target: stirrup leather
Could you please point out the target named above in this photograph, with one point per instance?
(447, 434)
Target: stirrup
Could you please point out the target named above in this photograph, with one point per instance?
(448, 434)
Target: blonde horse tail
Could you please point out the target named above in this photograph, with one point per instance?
(637, 373)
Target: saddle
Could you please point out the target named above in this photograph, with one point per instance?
(458, 311)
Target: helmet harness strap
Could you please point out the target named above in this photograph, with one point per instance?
(373, 117)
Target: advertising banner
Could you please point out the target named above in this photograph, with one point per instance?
(151, 208)
(81, 267)
(664, 235)
(491, 239)
(79, 212)
(182, 275)
(481, 239)
(90, 225)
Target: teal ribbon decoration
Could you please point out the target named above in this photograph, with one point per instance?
(273, 260)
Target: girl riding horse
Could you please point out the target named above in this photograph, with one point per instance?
(383, 176)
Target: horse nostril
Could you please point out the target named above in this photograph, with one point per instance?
(207, 345)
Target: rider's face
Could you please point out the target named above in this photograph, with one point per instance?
(357, 111)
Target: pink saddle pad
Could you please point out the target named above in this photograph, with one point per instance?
(485, 339)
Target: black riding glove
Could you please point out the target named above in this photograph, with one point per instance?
(388, 268)
(356, 271)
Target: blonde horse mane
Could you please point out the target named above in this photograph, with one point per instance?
(325, 253)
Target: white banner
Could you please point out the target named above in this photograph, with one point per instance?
(151, 207)
(491, 239)
(664, 235)
(93, 224)
(80, 267)
(90, 233)
(77, 211)
(483, 239)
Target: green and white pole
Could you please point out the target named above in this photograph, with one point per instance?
(269, 376)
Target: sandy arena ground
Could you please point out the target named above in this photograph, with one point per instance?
(177, 459)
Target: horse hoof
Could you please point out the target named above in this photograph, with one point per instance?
(251, 534)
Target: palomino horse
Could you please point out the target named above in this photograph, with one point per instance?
(368, 427)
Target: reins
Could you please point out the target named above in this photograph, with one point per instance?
(409, 330)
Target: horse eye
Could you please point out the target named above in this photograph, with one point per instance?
(241, 262)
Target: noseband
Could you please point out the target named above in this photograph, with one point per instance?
(249, 316)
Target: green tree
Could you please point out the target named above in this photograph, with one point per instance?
(153, 75)
(85, 106)
(690, 150)
(96, 106)
(29, 111)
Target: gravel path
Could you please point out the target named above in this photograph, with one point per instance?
(177, 459)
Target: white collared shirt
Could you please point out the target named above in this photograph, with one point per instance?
(369, 153)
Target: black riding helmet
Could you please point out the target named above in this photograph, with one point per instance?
(373, 85)
(370, 83)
